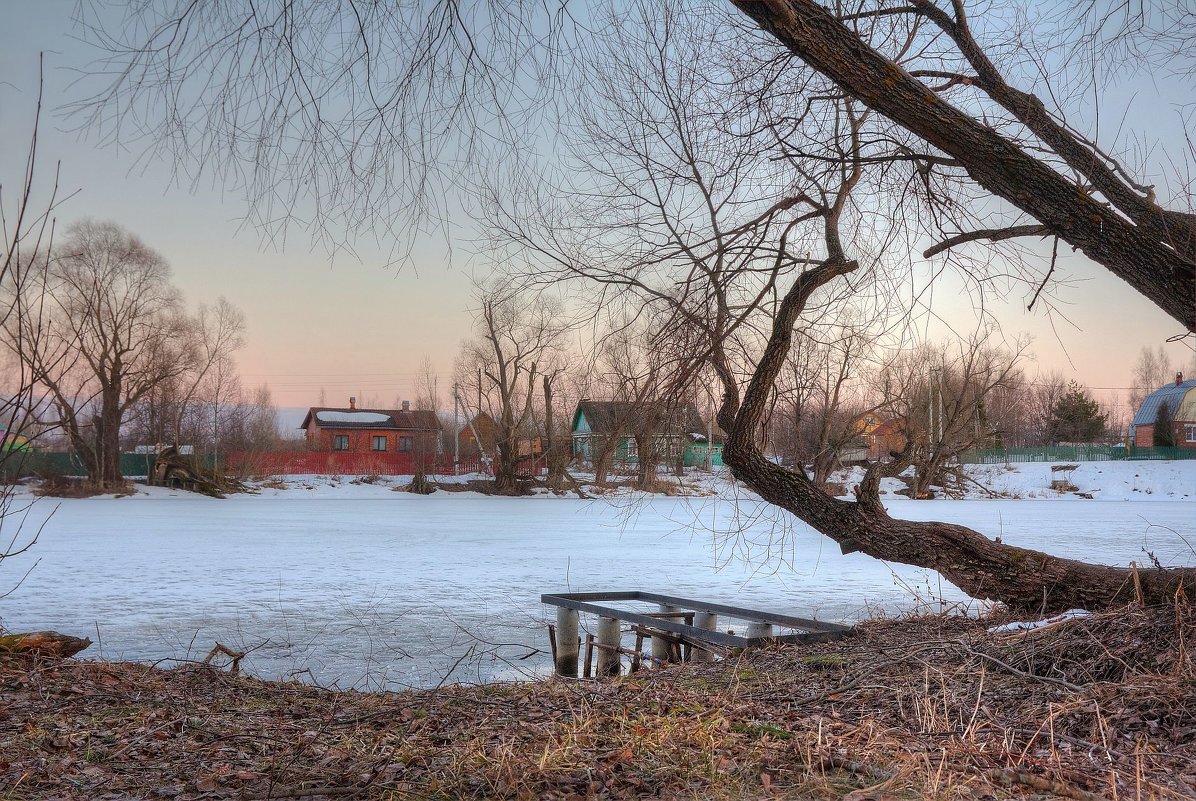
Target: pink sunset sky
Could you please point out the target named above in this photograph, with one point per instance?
(355, 326)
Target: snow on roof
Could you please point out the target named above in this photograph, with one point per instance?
(352, 417)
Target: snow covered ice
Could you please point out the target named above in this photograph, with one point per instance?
(357, 585)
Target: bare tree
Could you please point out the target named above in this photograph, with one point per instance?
(942, 393)
(754, 222)
(1046, 391)
(673, 215)
(426, 453)
(1151, 371)
(422, 79)
(111, 329)
(1009, 141)
(27, 227)
(820, 391)
(516, 332)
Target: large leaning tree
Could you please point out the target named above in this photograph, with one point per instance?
(350, 112)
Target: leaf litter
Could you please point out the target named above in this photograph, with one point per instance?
(1097, 707)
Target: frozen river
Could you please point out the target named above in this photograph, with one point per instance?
(388, 590)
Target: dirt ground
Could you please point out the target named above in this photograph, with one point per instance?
(1101, 707)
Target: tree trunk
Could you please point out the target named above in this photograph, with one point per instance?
(603, 456)
(553, 452)
(645, 446)
(506, 468)
(43, 643)
(825, 462)
(1152, 249)
(1024, 580)
(983, 568)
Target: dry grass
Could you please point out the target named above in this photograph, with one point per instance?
(931, 708)
(68, 487)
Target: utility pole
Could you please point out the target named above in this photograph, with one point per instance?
(456, 430)
(931, 430)
(942, 433)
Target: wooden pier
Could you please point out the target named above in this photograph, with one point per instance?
(681, 630)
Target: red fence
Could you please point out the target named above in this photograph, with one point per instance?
(339, 463)
(328, 463)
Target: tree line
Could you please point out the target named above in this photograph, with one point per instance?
(732, 175)
(111, 355)
(531, 361)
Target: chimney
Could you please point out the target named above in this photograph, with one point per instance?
(406, 406)
(1179, 379)
(352, 402)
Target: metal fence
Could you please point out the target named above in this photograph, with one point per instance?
(1075, 453)
(47, 463)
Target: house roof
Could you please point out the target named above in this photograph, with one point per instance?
(376, 419)
(627, 417)
(1180, 397)
(889, 427)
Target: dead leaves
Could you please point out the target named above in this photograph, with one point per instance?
(902, 709)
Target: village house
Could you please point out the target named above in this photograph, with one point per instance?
(372, 431)
(880, 437)
(677, 430)
(479, 437)
(1180, 397)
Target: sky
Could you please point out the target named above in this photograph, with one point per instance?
(363, 327)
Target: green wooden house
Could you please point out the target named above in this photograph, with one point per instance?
(677, 430)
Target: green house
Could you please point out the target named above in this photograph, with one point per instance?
(677, 432)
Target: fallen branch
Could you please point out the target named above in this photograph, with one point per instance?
(1048, 679)
(234, 666)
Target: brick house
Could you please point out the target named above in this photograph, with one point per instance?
(1180, 397)
(373, 431)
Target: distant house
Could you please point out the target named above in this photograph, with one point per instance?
(677, 430)
(377, 431)
(1180, 397)
(479, 437)
(876, 438)
(885, 438)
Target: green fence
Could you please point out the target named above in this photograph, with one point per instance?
(1075, 453)
(45, 463)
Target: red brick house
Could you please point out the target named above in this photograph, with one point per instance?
(372, 431)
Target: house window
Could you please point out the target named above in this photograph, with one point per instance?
(340, 442)
(379, 443)
(1190, 431)
(405, 443)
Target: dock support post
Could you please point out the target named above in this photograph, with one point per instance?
(566, 642)
(759, 630)
(707, 621)
(662, 649)
(609, 641)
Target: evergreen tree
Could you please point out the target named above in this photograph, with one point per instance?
(1164, 427)
(1075, 417)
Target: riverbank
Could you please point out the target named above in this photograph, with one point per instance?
(938, 707)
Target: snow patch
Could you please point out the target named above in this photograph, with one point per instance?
(352, 417)
(1070, 614)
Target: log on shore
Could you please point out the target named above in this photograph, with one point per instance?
(43, 643)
